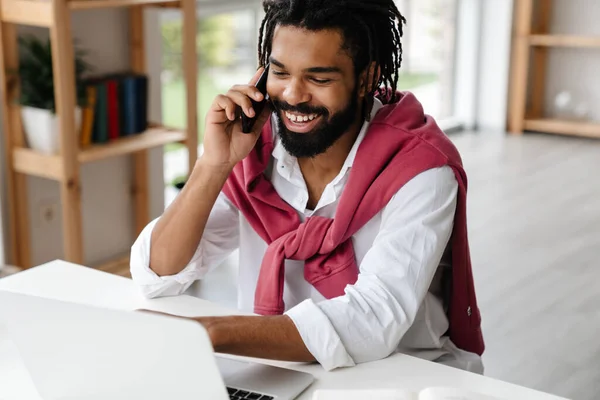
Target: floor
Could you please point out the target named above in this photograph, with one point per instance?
(534, 218)
(6, 270)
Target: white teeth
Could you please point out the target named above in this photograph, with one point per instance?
(300, 118)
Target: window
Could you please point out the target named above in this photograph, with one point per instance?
(226, 48)
(428, 53)
(226, 56)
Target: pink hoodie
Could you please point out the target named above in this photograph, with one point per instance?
(401, 143)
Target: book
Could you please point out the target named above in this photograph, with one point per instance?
(120, 106)
(143, 103)
(433, 393)
(87, 124)
(134, 102)
(113, 108)
(100, 131)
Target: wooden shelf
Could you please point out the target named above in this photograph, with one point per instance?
(65, 167)
(27, 12)
(39, 12)
(564, 127)
(92, 4)
(531, 45)
(565, 41)
(153, 137)
(30, 162)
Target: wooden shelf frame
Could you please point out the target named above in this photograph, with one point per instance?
(30, 162)
(565, 41)
(530, 48)
(41, 13)
(64, 167)
(564, 127)
(96, 4)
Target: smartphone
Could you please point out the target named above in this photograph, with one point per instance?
(261, 85)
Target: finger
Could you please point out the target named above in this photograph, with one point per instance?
(250, 91)
(224, 103)
(256, 76)
(243, 101)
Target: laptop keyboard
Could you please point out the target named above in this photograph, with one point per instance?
(236, 394)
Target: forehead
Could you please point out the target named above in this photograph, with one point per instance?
(299, 48)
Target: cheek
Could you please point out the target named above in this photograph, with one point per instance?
(275, 88)
(335, 99)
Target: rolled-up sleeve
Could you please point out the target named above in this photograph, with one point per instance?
(369, 320)
(220, 238)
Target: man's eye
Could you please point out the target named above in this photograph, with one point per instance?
(278, 73)
(321, 81)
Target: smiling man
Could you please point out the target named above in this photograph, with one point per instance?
(347, 203)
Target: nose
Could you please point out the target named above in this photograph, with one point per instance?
(295, 92)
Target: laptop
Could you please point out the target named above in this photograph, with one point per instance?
(74, 351)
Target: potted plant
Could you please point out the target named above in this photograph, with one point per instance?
(38, 108)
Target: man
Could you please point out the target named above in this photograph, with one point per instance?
(346, 202)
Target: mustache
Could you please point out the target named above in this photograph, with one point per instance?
(301, 108)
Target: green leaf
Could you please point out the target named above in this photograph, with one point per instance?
(36, 73)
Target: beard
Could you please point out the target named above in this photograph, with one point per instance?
(323, 136)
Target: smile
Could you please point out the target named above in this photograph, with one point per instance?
(298, 118)
(300, 123)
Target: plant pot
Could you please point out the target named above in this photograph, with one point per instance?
(42, 129)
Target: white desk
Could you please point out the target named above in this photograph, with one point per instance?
(64, 281)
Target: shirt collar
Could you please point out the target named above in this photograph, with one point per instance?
(280, 153)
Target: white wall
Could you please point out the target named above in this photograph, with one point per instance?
(494, 64)
(106, 202)
(466, 77)
(571, 69)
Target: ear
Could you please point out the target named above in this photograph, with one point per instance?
(366, 79)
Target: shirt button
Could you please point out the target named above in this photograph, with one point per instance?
(469, 311)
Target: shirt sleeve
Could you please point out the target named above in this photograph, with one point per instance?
(220, 238)
(369, 320)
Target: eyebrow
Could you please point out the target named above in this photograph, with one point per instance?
(314, 70)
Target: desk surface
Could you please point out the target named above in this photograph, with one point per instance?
(69, 282)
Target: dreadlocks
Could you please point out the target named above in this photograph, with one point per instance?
(371, 31)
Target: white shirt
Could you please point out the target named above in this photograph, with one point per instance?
(393, 306)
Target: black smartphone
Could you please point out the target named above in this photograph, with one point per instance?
(261, 84)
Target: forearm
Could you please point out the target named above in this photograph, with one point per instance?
(177, 234)
(271, 337)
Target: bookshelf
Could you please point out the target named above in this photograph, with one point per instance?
(64, 167)
(531, 42)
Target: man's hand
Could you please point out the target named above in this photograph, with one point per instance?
(271, 337)
(224, 142)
